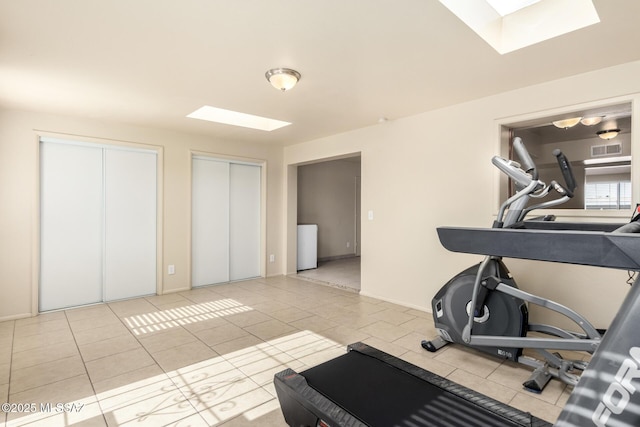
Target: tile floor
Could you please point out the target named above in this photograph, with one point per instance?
(207, 356)
(343, 272)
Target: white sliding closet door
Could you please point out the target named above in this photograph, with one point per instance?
(71, 226)
(98, 224)
(210, 222)
(244, 227)
(130, 224)
(226, 205)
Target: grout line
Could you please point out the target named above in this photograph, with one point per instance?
(84, 364)
(13, 337)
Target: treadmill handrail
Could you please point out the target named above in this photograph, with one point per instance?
(595, 248)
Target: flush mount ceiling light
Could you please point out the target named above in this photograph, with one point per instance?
(608, 134)
(282, 78)
(567, 123)
(590, 121)
(234, 118)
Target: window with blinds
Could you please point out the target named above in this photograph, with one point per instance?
(607, 195)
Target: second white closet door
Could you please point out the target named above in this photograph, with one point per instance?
(244, 226)
(226, 203)
(130, 224)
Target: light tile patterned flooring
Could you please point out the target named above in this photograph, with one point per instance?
(342, 272)
(207, 356)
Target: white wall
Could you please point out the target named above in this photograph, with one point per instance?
(19, 215)
(416, 177)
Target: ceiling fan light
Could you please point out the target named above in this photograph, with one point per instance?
(608, 133)
(567, 123)
(282, 78)
(590, 121)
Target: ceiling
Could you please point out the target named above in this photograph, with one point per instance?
(152, 62)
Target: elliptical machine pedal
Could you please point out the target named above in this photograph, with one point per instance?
(538, 380)
(434, 345)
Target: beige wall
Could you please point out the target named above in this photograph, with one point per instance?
(19, 197)
(416, 177)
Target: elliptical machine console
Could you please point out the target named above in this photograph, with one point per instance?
(500, 322)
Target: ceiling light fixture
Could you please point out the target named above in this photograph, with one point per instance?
(567, 123)
(608, 134)
(282, 78)
(590, 121)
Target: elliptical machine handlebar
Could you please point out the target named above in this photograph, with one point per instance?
(525, 177)
(525, 158)
(567, 173)
(513, 170)
(521, 173)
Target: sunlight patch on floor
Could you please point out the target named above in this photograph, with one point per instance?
(207, 393)
(156, 321)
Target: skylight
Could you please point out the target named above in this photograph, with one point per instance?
(507, 7)
(234, 118)
(509, 25)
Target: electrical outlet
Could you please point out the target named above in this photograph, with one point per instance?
(171, 269)
(348, 244)
(272, 258)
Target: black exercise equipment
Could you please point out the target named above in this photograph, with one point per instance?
(607, 395)
(366, 387)
(500, 323)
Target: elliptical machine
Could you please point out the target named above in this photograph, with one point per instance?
(500, 321)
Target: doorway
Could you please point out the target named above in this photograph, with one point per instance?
(328, 195)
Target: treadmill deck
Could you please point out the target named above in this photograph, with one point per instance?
(367, 387)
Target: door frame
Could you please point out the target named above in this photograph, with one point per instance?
(291, 209)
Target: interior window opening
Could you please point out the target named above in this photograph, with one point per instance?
(597, 141)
